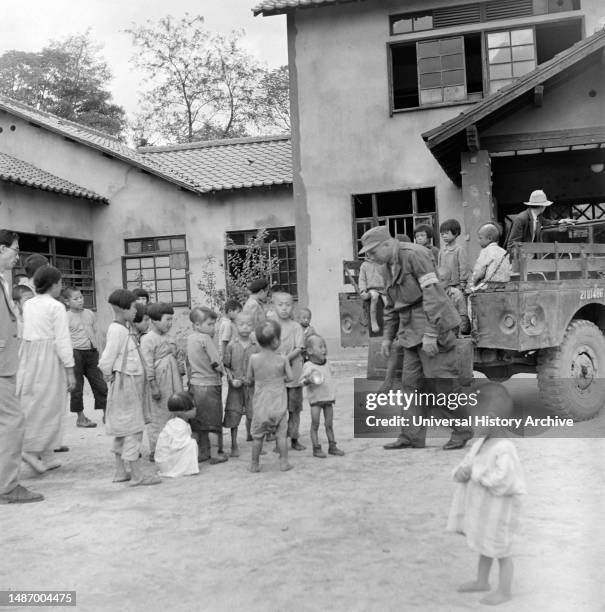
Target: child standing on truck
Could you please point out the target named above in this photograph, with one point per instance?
(452, 255)
(486, 504)
(493, 264)
(372, 287)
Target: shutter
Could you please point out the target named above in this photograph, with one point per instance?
(457, 15)
(507, 9)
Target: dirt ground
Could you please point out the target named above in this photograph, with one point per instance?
(361, 532)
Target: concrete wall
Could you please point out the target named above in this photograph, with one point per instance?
(345, 140)
(141, 206)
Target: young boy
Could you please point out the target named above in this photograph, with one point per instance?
(123, 369)
(321, 394)
(176, 450)
(423, 235)
(254, 305)
(142, 296)
(304, 318)
(226, 326)
(205, 370)
(372, 287)
(457, 298)
(453, 255)
(239, 395)
(292, 346)
(493, 264)
(83, 332)
(161, 368)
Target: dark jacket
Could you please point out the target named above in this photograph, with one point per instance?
(417, 303)
(521, 229)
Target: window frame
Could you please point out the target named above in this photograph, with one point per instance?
(159, 253)
(270, 244)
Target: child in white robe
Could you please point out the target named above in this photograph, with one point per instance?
(486, 504)
(176, 450)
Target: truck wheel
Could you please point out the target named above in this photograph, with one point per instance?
(571, 377)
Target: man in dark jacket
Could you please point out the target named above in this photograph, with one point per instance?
(527, 225)
(425, 322)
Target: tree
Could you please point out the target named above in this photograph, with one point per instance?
(274, 101)
(200, 85)
(66, 78)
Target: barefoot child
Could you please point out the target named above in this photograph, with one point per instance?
(83, 331)
(372, 287)
(291, 346)
(122, 366)
(176, 450)
(254, 306)
(161, 367)
(486, 505)
(269, 371)
(239, 395)
(226, 326)
(321, 394)
(205, 370)
(304, 318)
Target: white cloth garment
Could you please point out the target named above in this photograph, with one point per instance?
(176, 450)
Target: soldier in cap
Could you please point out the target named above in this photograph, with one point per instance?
(425, 321)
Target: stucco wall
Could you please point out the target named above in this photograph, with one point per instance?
(141, 206)
(345, 140)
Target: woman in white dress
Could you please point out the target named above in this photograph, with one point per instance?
(45, 373)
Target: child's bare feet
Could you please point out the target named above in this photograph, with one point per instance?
(234, 451)
(284, 467)
(254, 467)
(473, 587)
(495, 598)
(151, 479)
(121, 476)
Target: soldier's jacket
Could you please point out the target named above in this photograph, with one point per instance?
(417, 303)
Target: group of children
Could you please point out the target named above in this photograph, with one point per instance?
(492, 266)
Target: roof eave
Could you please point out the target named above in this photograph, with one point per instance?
(93, 198)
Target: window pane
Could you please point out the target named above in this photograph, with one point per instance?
(132, 285)
(163, 285)
(453, 77)
(525, 52)
(164, 244)
(431, 64)
(178, 273)
(401, 26)
(162, 262)
(180, 283)
(522, 37)
(132, 275)
(132, 263)
(497, 85)
(178, 244)
(424, 22)
(287, 234)
(180, 297)
(146, 262)
(178, 261)
(452, 61)
(500, 56)
(500, 71)
(454, 93)
(165, 296)
(431, 96)
(433, 79)
(451, 45)
(521, 68)
(162, 273)
(133, 247)
(148, 274)
(428, 49)
(498, 39)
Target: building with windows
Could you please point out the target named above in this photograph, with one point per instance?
(109, 216)
(416, 111)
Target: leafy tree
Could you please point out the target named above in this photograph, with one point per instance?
(274, 101)
(200, 85)
(67, 78)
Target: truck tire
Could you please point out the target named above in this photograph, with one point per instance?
(571, 377)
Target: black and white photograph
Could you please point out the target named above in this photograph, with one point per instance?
(302, 305)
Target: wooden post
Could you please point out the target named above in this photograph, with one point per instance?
(477, 202)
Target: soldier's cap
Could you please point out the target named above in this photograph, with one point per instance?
(257, 285)
(373, 237)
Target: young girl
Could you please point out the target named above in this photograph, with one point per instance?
(122, 366)
(176, 450)
(486, 505)
(161, 367)
(269, 372)
(46, 370)
(21, 293)
(317, 377)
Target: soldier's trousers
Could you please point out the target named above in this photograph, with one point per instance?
(426, 374)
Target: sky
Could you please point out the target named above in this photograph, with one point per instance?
(27, 25)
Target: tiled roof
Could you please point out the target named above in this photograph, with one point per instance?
(275, 7)
(229, 164)
(93, 138)
(17, 171)
(445, 140)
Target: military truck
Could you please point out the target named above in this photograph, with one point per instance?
(548, 320)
